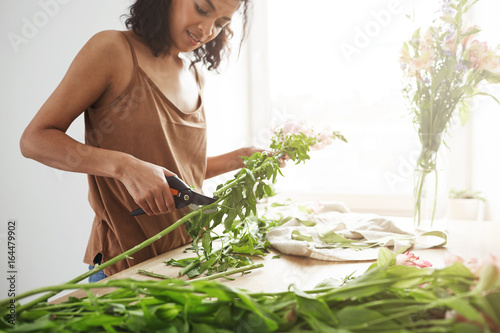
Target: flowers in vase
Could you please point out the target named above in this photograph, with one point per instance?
(443, 66)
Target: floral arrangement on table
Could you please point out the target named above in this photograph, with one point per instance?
(443, 66)
(398, 293)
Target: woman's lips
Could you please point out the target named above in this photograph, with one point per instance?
(193, 39)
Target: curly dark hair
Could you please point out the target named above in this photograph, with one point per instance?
(147, 19)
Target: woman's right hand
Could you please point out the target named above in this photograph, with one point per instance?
(147, 184)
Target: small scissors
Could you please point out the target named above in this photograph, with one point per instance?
(183, 196)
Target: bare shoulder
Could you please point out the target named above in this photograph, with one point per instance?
(104, 61)
(107, 46)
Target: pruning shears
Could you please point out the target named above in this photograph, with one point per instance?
(183, 196)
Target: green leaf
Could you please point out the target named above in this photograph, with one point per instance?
(466, 328)
(316, 308)
(228, 221)
(449, 19)
(403, 274)
(370, 321)
(385, 257)
(471, 32)
(95, 320)
(304, 209)
(330, 236)
(307, 223)
(490, 305)
(491, 77)
(465, 309)
(489, 95)
(438, 234)
(206, 242)
(167, 312)
(296, 235)
(268, 190)
(43, 324)
(193, 272)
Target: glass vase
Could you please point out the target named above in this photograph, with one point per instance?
(431, 190)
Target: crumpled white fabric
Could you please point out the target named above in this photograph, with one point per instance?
(336, 216)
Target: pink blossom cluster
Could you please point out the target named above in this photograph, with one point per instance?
(295, 128)
(477, 54)
(317, 207)
(474, 264)
(482, 57)
(323, 138)
(425, 59)
(410, 259)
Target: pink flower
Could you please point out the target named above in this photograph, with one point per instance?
(424, 62)
(483, 58)
(451, 258)
(474, 264)
(425, 59)
(409, 259)
(467, 28)
(324, 139)
(317, 207)
(296, 127)
(490, 260)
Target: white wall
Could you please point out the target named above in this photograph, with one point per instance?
(38, 41)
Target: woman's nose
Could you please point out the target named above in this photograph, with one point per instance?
(206, 28)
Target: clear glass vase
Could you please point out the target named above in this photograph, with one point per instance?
(431, 190)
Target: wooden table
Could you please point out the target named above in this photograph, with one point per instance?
(467, 239)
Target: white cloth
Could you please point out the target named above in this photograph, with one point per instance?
(360, 228)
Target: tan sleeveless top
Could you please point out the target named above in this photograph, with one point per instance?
(142, 122)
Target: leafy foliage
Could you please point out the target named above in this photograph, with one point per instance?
(386, 298)
(244, 233)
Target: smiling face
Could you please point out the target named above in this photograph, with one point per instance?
(193, 23)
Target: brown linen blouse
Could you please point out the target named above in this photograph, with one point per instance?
(142, 122)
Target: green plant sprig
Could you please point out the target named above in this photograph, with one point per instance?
(244, 232)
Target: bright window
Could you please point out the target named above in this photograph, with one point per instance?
(337, 65)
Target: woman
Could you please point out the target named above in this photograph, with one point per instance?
(144, 120)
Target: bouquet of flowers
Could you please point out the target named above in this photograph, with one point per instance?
(443, 66)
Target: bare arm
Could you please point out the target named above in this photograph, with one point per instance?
(217, 165)
(92, 78)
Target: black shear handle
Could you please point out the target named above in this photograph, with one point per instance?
(178, 189)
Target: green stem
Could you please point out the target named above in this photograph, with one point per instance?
(413, 309)
(125, 283)
(241, 177)
(190, 266)
(129, 284)
(114, 260)
(435, 197)
(418, 196)
(152, 274)
(83, 303)
(230, 272)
